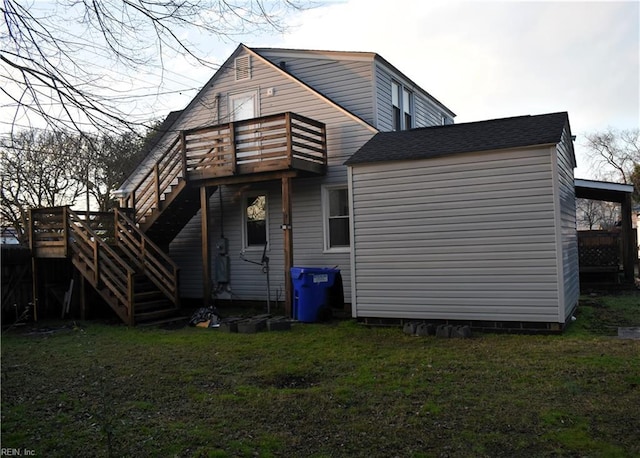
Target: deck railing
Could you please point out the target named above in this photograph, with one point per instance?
(48, 232)
(279, 142)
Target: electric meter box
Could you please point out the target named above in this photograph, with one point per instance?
(222, 245)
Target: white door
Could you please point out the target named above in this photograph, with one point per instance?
(244, 106)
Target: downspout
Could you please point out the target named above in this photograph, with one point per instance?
(352, 239)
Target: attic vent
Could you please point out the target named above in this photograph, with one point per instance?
(243, 68)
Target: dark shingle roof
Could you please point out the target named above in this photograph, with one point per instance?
(495, 134)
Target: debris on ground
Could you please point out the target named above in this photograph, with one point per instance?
(420, 328)
(205, 317)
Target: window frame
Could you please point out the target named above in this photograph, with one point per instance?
(396, 106)
(406, 93)
(400, 112)
(326, 202)
(245, 245)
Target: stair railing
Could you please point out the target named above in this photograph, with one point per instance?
(147, 195)
(101, 266)
(158, 267)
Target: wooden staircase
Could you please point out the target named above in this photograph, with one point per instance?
(131, 274)
(118, 253)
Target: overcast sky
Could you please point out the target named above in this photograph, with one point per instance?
(489, 60)
(483, 60)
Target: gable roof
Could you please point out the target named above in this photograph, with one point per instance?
(494, 134)
(175, 116)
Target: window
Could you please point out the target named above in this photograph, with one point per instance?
(336, 216)
(256, 233)
(407, 108)
(395, 102)
(402, 107)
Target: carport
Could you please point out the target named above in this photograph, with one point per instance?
(619, 193)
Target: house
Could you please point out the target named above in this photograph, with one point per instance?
(335, 159)
(479, 223)
(338, 100)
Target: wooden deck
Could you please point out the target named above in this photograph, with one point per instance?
(112, 251)
(266, 146)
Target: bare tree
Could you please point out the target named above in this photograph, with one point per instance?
(38, 170)
(635, 180)
(71, 63)
(614, 154)
(596, 214)
(45, 169)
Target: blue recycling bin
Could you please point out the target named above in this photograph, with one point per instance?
(311, 286)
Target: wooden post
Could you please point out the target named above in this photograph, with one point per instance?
(83, 297)
(65, 225)
(288, 244)
(289, 134)
(34, 282)
(206, 253)
(628, 249)
(232, 148)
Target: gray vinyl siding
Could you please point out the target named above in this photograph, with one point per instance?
(426, 111)
(569, 235)
(346, 82)
(468, 237)
(344, 136)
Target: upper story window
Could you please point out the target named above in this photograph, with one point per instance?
(395, 103)
(402, 107)
(407, 108)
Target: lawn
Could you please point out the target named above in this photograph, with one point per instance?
(338, 389)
